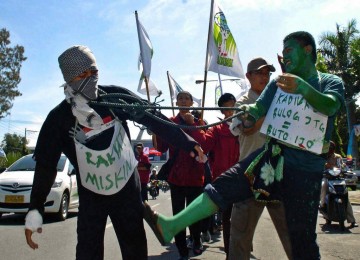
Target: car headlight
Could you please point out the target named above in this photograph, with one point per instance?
(57, 183)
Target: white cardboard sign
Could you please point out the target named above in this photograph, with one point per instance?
(292, 120)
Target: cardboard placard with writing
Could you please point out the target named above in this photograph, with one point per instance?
(292, 120)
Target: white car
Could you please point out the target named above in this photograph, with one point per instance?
(16, 184)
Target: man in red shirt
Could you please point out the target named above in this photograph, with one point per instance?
(186, 178)
(224, 152)
(143, 168)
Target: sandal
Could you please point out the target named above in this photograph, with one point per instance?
(198, 249)
(151, 217)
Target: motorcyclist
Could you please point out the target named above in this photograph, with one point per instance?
(335, 160)
(154, 179)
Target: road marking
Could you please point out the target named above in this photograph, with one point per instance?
(155, 205)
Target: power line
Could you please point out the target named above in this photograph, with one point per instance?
(8, 125)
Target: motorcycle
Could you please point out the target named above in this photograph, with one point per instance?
(164, 186)
(153, 189)
(336, 198)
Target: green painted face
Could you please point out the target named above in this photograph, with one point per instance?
(294, 57)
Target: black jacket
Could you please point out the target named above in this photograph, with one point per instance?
(54, 138)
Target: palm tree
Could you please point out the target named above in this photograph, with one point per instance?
(341, 51)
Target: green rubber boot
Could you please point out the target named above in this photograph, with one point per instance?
(200, 208)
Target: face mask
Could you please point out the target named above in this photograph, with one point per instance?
(86, 87)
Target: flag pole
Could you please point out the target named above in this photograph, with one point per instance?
(220, 87)
(206, 58)
(141, 55)
(171, 92)
(147, 88)
(220, 83)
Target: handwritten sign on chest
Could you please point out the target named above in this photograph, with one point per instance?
(292, 120)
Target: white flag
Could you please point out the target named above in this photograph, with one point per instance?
(153, 90)
(218, 93)
(146, 50)
(244, 85)
(175, 89)
(223, 56)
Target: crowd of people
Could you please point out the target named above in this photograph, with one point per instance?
(96, 140)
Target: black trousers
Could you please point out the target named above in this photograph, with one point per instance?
(180, 197)
(144, 192)
(125, 210)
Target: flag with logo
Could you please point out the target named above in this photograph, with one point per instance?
(223, 56)
(175, 89)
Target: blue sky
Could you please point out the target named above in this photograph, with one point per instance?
(178, 31)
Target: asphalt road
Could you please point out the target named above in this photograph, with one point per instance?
(58, 240)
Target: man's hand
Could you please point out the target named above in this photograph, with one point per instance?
(33, 223)
(325, 103)
(188, 118)
(201, 157)
(290, 83)
(249, 117)
(29, 241)
(254, 129)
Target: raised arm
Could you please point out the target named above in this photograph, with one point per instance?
(325, 103)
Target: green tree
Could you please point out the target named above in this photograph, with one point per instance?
(11, 59)
(321, 63)
(13, 143)
(341, 51)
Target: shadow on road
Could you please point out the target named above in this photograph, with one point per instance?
(171, 252)
(334, 229)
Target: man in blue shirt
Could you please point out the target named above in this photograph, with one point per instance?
(300, 170)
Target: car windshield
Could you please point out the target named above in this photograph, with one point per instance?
(27, 163)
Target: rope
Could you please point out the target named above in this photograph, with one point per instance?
(139, 109)
(152, 105)
(192, 127)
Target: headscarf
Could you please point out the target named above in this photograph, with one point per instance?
(74, 61)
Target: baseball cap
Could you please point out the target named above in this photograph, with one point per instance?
(258, 63)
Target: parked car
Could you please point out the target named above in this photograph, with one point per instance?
(16, 184)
